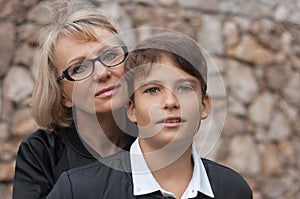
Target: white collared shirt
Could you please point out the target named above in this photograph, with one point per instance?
(144, 182)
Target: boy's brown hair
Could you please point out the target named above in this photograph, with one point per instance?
(182, 50)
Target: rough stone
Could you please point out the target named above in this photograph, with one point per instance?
(29, 32)
(8, 8)
(273, 187)
(292, 85)
(281, 12)
(5, 192)
(18, 84)
(7, 46)
(243, 154)
(243, 23)
(247, 7)
(264, 31)
(295, 143)
(285, 43)
(230, 6)
(7, 110)
(266, 7)
(41, 14)
(211, 26)
(242, 81)
(231, 34)
(297, 128)
(279, 127)
(276, 76)
(271, 161)
(250, 51)
(119, 14)
(208, 135)
(233, 125)
(7, 171)
(23, 123)
(4, 129)
(260, 134)
(235, 107)
(295, 61)
(8, 152)
(261, 110)
(215, 65)
(288, 153)
(28, 3)
(203, 4)
(24, 55)
(216, 87)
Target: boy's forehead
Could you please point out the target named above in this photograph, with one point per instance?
(164, 71)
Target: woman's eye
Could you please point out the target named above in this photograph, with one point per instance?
(152, 90)
(109, 56)
(78, 69)
(185, 88)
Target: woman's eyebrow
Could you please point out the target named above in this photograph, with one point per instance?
(75, 60)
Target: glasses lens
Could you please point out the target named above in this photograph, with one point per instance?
(113, 56)
(80, 71)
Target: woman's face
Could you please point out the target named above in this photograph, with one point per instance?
(102, 91)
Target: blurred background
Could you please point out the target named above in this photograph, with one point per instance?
(255, 46)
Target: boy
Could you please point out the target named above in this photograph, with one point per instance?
(167, 79)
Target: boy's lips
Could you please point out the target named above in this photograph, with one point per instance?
(172, 122)
(107, 92)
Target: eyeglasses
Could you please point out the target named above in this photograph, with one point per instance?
(110, 58)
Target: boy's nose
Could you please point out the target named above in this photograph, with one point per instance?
(170, 100)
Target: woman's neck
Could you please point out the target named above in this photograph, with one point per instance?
(101, 132)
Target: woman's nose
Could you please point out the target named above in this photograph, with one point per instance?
(101, 73)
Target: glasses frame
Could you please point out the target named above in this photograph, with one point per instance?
(66, 75)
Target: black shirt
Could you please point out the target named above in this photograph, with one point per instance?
(113, 180)
(43, 156)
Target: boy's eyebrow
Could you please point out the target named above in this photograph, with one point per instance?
(184, 80)
(145, 83)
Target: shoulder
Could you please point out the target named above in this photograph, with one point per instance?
(109, 169)
(39, 139)
(104, 177)
(117, 163)
(225, 180)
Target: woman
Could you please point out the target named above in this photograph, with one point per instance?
(75, 75)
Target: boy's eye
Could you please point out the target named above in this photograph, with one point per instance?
(185, 88)
(152, 90)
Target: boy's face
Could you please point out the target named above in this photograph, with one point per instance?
(167, 104)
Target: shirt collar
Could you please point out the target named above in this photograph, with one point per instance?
(141, 174)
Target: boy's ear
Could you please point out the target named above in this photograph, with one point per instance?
(131, 111)
(205, 107)
(66, 101)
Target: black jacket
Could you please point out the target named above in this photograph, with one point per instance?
(99, 181)
(43, 156)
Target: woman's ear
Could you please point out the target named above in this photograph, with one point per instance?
(131, 111)
(66, 101)
(205, 107)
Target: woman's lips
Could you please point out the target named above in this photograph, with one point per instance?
(107, 92)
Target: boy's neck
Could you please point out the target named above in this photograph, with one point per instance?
(175, 175)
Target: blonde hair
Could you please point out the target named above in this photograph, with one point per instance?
(76, 21)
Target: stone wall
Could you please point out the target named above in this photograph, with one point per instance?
(256, 46)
